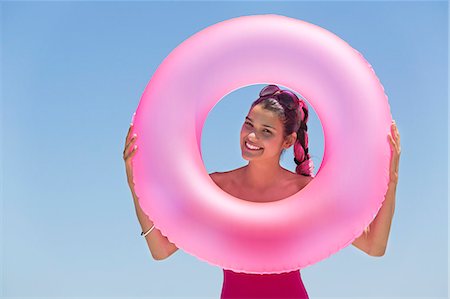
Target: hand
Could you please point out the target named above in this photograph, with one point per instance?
(129, 154)
(394, 140)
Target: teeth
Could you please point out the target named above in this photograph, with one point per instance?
(252, 147)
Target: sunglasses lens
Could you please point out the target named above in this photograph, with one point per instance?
(288, 99)
(269, 90)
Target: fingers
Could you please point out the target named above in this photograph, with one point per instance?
(131, 142)
(394, 158)
(131, 153)
(391, 141)
(127, 146)
(395, 132)
(396, 135)
(392, 166)
(127, 139)
(394, 140)
(394, 147)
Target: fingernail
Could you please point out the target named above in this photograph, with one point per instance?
(132, 118)
(134, 135)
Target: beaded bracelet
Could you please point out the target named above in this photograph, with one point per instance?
(149, 231)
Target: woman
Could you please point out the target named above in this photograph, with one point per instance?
(276, 121)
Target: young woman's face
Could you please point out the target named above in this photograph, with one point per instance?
(262, 129)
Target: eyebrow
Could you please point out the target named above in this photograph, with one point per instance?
(263, 125)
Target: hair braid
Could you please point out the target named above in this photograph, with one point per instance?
(301, 156)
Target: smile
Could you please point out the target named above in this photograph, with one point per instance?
(251, 147)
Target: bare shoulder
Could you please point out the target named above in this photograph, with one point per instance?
(217, 177)
(223, 179)
(301, 181)
(214, 176)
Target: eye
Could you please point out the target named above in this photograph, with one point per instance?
(265, 130)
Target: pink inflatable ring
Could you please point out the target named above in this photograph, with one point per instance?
(174, 188)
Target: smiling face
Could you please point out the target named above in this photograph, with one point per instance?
(263, 129)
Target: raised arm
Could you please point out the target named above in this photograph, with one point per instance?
(375, 238)
(160, 247)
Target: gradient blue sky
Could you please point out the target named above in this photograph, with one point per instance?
(72, 75)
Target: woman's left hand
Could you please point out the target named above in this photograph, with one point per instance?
(394, 140)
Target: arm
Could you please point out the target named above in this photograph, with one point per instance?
(375, 238)
(160, 247)
(381, 225)
(362, 242)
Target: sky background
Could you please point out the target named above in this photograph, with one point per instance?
(72, 74)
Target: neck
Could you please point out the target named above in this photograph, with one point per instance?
(260, 175)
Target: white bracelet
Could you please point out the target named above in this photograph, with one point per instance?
(149, 231)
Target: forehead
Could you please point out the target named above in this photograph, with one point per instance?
(264, 117)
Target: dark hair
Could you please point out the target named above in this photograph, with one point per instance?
(293, 113)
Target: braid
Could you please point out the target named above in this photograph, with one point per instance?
(301, 156)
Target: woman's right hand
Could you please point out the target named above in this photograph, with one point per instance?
(128, 153)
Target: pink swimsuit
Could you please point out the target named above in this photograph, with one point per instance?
(263, 286)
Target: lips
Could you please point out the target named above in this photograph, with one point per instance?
(251, 144)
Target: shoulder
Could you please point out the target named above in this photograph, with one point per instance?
(224, 178)
(300, 181)
(219, 178)
(216, 176)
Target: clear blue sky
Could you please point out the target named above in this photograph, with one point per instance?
(72, 75)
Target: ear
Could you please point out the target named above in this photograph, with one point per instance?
(290, 140)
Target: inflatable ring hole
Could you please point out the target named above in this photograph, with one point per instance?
(221, 141)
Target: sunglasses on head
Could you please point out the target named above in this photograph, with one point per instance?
(286, 97)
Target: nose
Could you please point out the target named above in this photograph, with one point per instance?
(252, 136)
